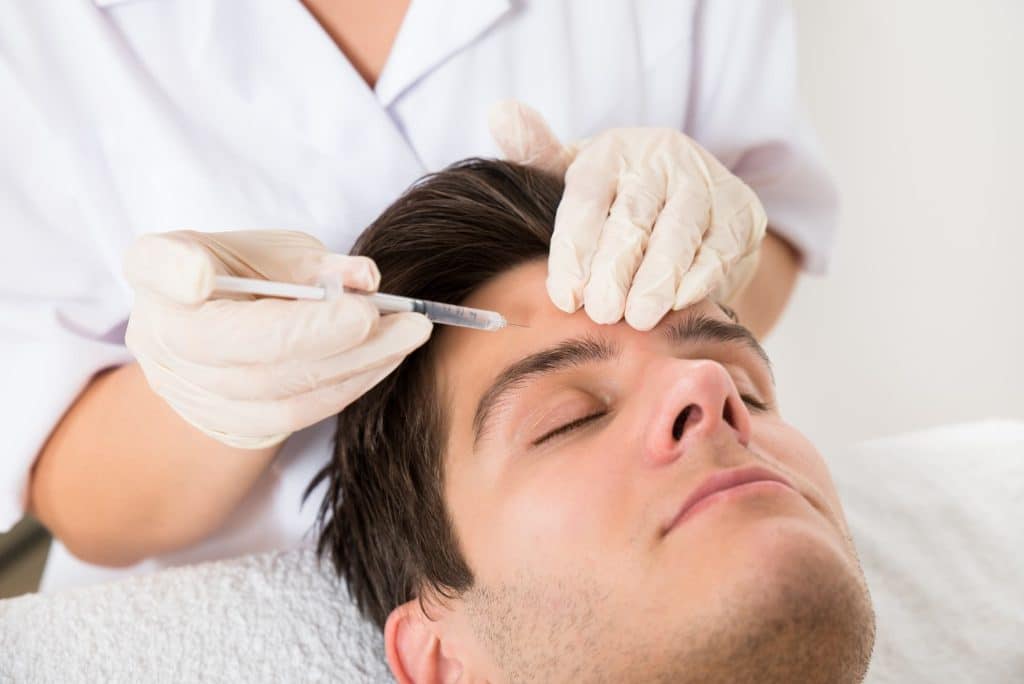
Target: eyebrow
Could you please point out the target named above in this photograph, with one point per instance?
(580, 351)
(568, 354)
(700, 328)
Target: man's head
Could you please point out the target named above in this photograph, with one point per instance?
(508, 504)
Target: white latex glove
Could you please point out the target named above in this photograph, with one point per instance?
(649, 221)
(248, 371)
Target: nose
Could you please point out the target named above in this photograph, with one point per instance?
(701, 402)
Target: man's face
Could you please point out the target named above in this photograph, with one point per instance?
(572, 448)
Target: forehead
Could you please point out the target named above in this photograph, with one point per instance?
(469, 360)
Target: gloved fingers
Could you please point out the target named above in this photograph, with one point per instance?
(738, 237)
(253, 423)
(172, 266)
(737, 211)
(309, 409)
(621, 246)
(329, 400)
(187, 404)
(224, 332)
(736, 231)
(241, 424)
(356, 272)
(180, 266)
(739, 216)
(586, 203)
(396, 336)
(670, 251)
(524, 137)
(741, 273)
(708, 270)
(256, 417)
(290, 256)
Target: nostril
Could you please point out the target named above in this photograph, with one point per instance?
(691, 413)
(727, 415)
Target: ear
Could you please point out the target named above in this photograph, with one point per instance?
(414, 648)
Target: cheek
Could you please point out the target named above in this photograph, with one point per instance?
(562, 512)
(780, 441)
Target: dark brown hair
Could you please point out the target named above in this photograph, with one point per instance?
(383, 522)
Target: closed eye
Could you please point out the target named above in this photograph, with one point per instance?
(568, 427)
(751, 401)
(754, 403)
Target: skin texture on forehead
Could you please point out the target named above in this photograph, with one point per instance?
(573, 581)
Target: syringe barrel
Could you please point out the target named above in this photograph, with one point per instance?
(446, 314)
(331, 288)
(464, 316)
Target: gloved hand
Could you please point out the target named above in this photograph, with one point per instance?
(247, 371)
(649, 221)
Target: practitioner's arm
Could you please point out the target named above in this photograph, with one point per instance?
(761, 302)
(123, 477)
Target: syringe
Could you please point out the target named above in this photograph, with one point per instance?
(446, 314)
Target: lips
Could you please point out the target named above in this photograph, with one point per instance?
(721, 481)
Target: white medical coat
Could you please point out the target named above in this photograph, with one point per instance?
(121, 117)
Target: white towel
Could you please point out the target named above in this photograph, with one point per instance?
(937, 517)
(277, 617)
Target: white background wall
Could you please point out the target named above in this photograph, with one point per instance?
(919, 107)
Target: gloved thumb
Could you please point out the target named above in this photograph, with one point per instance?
(181, 266)
(525, 138)
(172, 266)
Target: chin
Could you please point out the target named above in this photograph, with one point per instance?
(801, 588)
(780, 538)
(778, 598)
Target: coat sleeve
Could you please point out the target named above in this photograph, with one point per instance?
(746, 111)
(63, 301)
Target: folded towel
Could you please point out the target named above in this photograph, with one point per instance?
(937, 517)
(278, 617)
